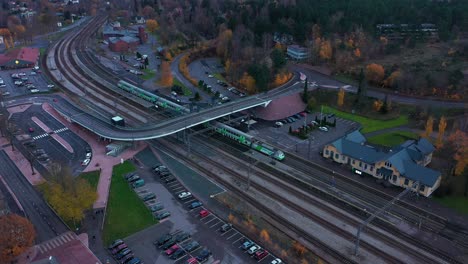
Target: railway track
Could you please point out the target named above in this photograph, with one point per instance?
(323, 194)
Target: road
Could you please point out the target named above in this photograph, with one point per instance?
(325, 81)
(45, 221)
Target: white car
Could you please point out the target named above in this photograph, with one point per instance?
(184, 195)
(32, 73)
(85, 162)
(34, 90)
(88, 155)
(315, 123)
(278, 124)
(253, 249)
(6, 93)
(276, 261)
(50, 86)
(210, 76)
(325, 129)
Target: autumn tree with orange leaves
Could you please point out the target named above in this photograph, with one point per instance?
(428, 127)
(375, 73)
(17, 235)
(152, 25)
(166, 75)
(224, 42)
(459, 140)
(248, 82)
(325, 51)
(341, 95)
(441, 132)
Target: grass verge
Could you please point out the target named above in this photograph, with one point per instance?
(187, 91)
(126, 213)
(458, 203)
(368, 125)
(148, 74)
(92, 177)
(392, 138)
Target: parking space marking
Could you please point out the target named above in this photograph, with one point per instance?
(220, 222)
(214, 218)
(173, 184)
(178, 190)
(190, 201)
(235, 232)
(237, 239)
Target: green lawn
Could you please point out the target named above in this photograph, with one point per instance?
(458, 203)
(148, 74)
(393, 138)
(126, 213)
(368, 125)
(219, 77)
(92, 177)
(187, 92)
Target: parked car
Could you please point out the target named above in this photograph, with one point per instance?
(331, 115)
(156, 166)
(123, 253)
(253, 249)
(315, 123)
(261, 254)
(195, 205)
(172, 249)
(138, 183)
(163, 215)
(191, 246)
(325, 129)
(184, 195)
(156, 207)
(50, 86)
(85, 162)
(278, 124)
(133, 178)
(118, 248)
(148, 197)
(169, 179)
(204, 255)
(130, 174)
(247, 244)
(163, 239)
(204, 213)
(34, 90)
(126, 259)
(88, 155)
(179, 253)
(168, 244)
(192, 261)
(115, 243)
(226, 227)
(276, 261)
(134, 261)
(182, 236)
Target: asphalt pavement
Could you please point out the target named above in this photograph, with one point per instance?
(46, 222)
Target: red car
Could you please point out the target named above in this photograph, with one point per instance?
(192, 261)
(118, 248)
(261, 254)
(172, 249)
(204, 213)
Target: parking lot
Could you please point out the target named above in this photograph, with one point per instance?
(204, 230)
(28, 81)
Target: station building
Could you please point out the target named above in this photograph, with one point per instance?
(297, 52)
(19, 58)
(402, 165)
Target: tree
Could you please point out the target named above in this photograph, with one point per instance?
(377, 105)
(265, 236)
(428, 127)
(224, 42)
(17, 235)
(305, 94)
(278, 58)
(391, 80)
(138, 55)
(69, 196)
(459, 140)
(248, 82)
(197, 96)
(325, 51)
(148, 12)
(166, 74)
(312, 103)
(362, 88)
(375, 73)
(341, 95)
(152, 25)
(298, 248)
(441, 132)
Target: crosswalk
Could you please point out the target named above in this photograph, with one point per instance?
(47, 134)
(56, 242)
(61, 130)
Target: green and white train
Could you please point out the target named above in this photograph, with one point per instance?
(248, 140)
(152, 98)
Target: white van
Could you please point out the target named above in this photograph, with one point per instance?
(34, 90)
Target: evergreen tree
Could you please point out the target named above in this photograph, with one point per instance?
(305, 95)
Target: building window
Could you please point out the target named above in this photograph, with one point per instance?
(360, 164)
(353, 162)
(337, 156)
(406, 181)
(371, 168)
(394, 178)
(326, 152)
(388, 164)
(422, 188)
(365, 166)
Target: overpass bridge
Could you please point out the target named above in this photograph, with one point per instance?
(105, 129)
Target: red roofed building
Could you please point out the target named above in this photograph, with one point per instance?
(19, 58)
(281, 107)
(66, 248)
